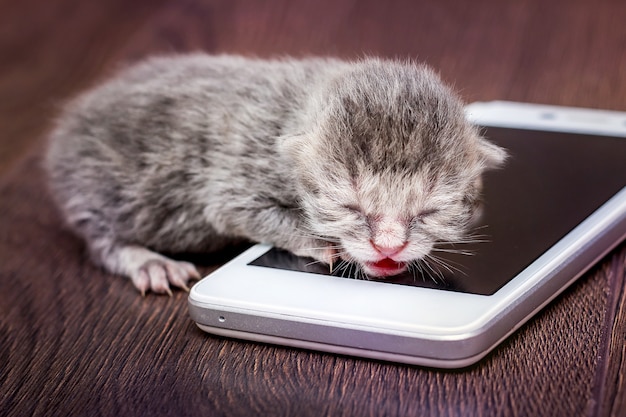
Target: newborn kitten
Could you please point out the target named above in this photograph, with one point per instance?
(371, 161)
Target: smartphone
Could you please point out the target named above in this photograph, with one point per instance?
(555, 209)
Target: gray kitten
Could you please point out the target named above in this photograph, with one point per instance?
(370, 161)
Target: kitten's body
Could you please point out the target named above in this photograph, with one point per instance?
(320, 157)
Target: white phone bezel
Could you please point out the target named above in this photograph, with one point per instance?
(406, 324)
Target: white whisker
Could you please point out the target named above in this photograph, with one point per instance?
(454, 251)
(347, 269)
(448, 264)
(434, 271)
(414, 267)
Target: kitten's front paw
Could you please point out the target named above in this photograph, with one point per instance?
(157, 275)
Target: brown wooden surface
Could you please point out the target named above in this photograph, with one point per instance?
(77, 341)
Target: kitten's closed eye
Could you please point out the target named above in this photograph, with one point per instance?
(356, 210)
(420, 217)
(424, 214)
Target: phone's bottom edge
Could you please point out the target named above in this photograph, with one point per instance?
(346, 350)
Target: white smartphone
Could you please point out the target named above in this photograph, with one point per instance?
(556, 208)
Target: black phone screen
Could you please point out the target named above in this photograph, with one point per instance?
(551, 182)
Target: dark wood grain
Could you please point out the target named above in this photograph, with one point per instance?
(610, 395)
(77, 341)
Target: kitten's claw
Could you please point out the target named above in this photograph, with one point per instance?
(329, 255)
(321, 251)
(156, 275)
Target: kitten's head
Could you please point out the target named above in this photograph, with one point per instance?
(391, 166)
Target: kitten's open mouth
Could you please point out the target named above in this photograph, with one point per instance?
(385, 268)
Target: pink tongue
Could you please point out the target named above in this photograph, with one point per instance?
(387, 263)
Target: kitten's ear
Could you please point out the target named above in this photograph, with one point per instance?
(492, 155)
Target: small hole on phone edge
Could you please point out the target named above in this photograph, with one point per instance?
(547, 115)
(221, 319)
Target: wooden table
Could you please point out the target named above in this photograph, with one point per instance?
(77, 341)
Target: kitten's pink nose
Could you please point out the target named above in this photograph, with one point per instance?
(388, 251)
